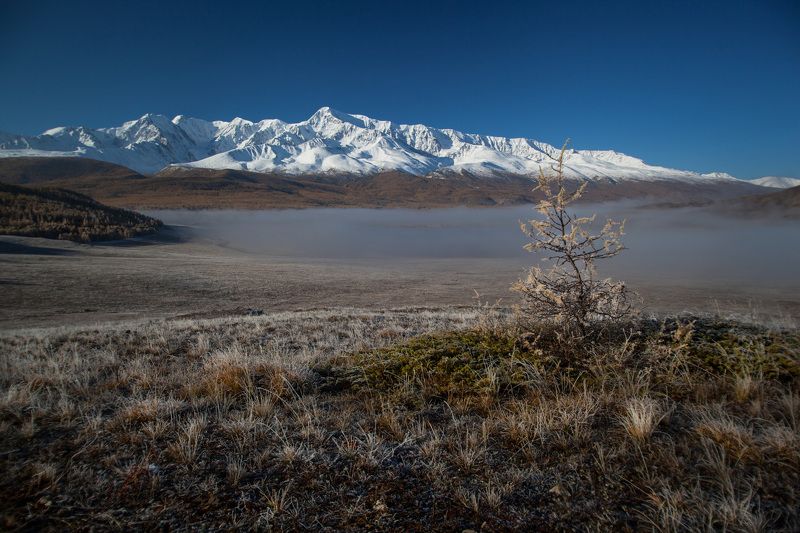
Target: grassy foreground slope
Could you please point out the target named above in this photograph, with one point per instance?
(406, 420)
(63, 214)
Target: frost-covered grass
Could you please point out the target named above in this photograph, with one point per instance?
(400, 420)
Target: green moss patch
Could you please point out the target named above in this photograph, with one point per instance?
(455, 363)
(475, 363)
(731, 348)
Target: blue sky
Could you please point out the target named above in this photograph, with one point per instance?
(697, 85)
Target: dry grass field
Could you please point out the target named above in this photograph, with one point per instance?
(399, 420)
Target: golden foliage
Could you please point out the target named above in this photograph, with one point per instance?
(66, 215)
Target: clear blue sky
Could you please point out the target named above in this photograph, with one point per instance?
(697, 85)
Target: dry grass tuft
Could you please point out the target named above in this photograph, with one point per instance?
(641, 417)
(187, 446)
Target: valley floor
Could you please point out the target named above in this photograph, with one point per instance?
(175, 274)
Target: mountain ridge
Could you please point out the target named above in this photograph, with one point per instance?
(328, 142)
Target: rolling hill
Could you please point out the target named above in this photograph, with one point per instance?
(67, 215)
(784, 199)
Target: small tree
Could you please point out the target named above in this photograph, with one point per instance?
(569, 294)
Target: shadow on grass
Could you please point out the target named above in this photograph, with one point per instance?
(165, 235)
(8, 247)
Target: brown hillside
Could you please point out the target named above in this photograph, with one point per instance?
(782, 203)
(31, 170)
(786, 198)
(180, 187)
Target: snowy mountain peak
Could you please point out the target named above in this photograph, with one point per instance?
(718, 176)
(777, 182)
(329, 141)
(238, 121)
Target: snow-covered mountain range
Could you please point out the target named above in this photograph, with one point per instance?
(328, 142)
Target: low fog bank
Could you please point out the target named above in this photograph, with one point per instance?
(677, 245)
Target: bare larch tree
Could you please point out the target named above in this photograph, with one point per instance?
(569, 294)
